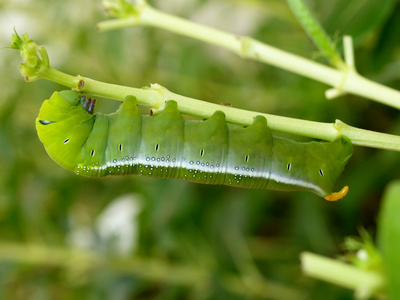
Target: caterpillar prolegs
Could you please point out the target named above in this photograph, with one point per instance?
(205, 151)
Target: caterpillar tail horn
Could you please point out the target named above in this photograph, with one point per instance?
(338, 195)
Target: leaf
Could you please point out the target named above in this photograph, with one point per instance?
(356, 18)
(389, 237)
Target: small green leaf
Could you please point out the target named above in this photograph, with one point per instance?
(357, 18)
(389, 237)
(35, 58)
(120, 8)
(316, 32)
(362, 252)
(16, 42)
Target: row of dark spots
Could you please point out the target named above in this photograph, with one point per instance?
(202, 152)
(157, 148)
(246, 158)
(289, 167)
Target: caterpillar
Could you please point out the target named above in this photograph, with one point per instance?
(205, 151)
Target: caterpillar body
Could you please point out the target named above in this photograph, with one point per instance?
(205, 151)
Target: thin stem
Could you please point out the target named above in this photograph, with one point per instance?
(156, 95)
(368, 138)
(246, 47)
(57, 76)
(365, 283)
(36, 66)
(349, 52)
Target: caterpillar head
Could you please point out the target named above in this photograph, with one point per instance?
(63, 124)
(65, 104)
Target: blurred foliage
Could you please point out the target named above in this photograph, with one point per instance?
(388, 237)
(68, 237)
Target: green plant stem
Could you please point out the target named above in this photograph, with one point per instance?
(344, 81)
(365, 283)
(36, 65)
(156, 95)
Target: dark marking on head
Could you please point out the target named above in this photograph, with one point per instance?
(88, 104)
(85, 102)
(120, 147)
(289, 167)
(157, 147)
(92, 153)
(321, 172)
(202, 152)
(66, 141)
(82, 100)
(45, 122)
(246, 158)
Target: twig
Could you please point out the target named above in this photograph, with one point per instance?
(365, 283)
(344, 80)
(36, 65)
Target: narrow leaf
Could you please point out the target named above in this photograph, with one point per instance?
(316, 32)
(389, 237)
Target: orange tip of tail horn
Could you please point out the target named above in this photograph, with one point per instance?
(339, 195)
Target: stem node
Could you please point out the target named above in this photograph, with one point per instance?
(81, 84)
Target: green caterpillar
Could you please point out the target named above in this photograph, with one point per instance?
(209, 151)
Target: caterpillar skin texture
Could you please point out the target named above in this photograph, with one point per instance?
(210, 151)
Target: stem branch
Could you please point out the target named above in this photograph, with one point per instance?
(36, 65)
(156, 95)
(365, 283)
(345, 80)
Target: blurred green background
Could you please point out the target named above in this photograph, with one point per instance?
(68, 237)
